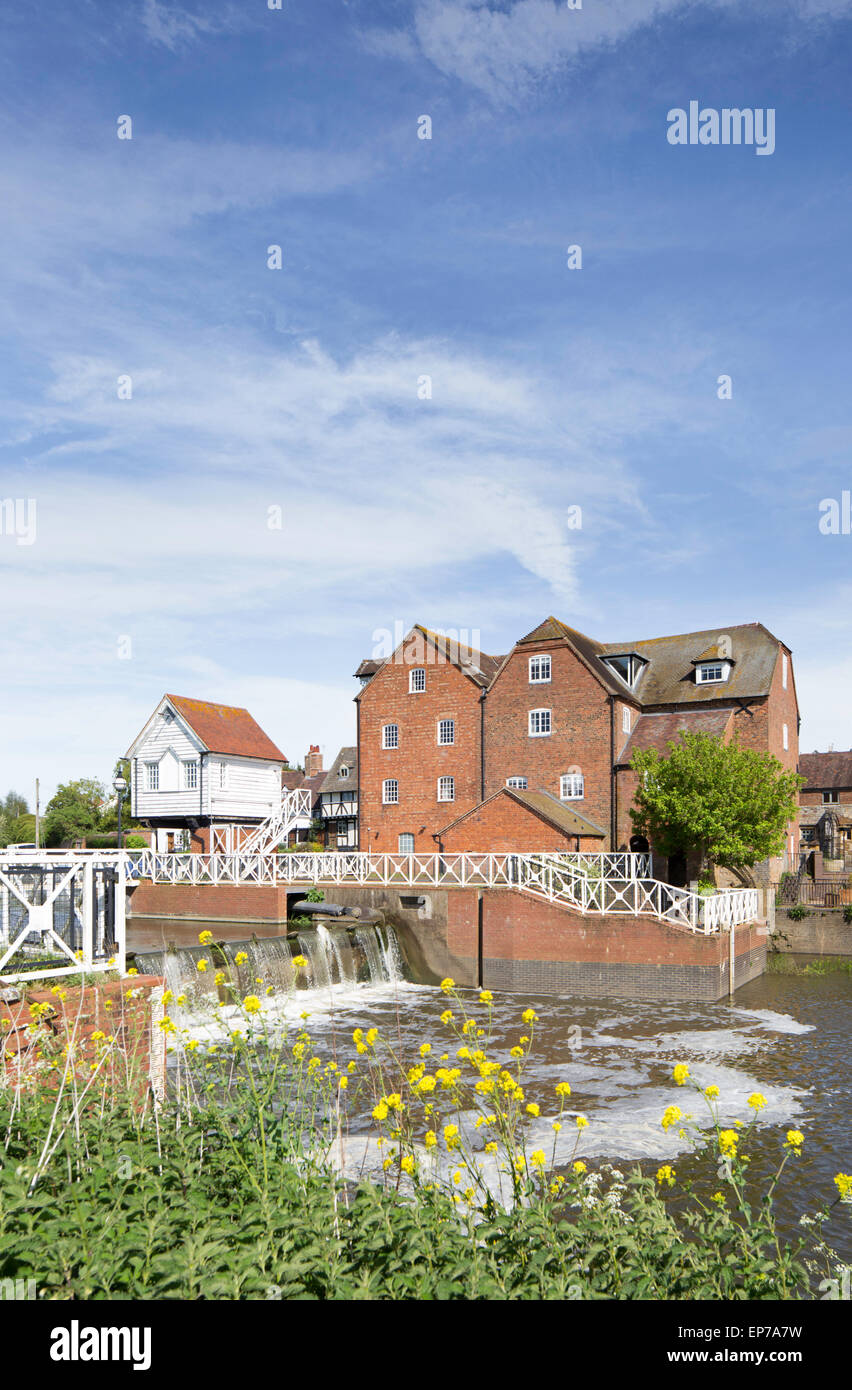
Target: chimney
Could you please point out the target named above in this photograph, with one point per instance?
(313, 761)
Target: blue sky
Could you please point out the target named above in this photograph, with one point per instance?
(296, 388)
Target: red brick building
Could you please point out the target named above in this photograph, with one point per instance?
(556, 722)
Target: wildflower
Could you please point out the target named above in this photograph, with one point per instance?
(457, 1176)
(219, 977)
(407, 1164)
(205, 938)
(516, 1052)
(98, 1036)
(666, 1174)
(451, 1133)
(426, 1084)
(464, 1053)
(563, 1089)
(529, 1016)
(55, 989)
(557, 1126)
(484, 1087)
(532, 1109)
(728, 1140)
(469, 1026)
(251, 1004)
(133, 970)
(711, 1092)
(446, 1016)
(357, 1035)
(491, 1147)
(425, 1049)
(843, 1183)
(269, 989)
(579, 1166)
(380, 1112)
(201, 964)
(299, 962)
(240, 958)
(757, 1101)
(430, 1139)
(582, 1122)
(351, 1066)
(718, 1198)
(795, 1140)
(181, 1000)
(680, 1073)
(394, 1101)
(447, 985)
(538, 1158)
(167, 998)
(343, 1082)
(670, 1115)
(298, 1051)
(166, 1024)
(387, 1163)
(371, 1036)
(486, 997)
(192, 1045)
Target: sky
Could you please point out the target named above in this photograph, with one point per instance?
(229, 479)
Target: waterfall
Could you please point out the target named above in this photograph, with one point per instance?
(368, 940)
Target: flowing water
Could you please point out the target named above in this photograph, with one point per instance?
(785, 1036)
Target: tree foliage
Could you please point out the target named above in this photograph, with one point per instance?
(729, 804)
(76, 810)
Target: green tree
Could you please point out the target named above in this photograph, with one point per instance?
(726, 804)
(76, 810)
(13, 804)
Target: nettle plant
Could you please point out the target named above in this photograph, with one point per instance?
(231, 1188)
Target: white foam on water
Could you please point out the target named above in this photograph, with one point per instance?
(770, 1021)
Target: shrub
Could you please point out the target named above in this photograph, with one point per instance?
(798, 913)
(847, 913)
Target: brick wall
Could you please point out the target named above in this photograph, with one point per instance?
(249, 902)
(580, 737)
(419, 760)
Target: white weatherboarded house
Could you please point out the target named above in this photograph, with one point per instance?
(203, 776)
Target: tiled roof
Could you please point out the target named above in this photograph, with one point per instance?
(479, 666)
(347, 757)
(657, 730)
(826, 771)
(226, 729)
(543, 805)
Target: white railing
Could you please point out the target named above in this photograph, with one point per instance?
(295, 810)
(54, 913)
(589, 884)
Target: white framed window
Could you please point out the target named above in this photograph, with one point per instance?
(628, 668)
(626, 720)
(571, 787)
(152, 777)
(519, 783)
(416, 680)
(190, 776)
(446, 731)
(446, 788)
(343, 772)
(712, 672)
(390, 792)
(539, 723)
(784, 670)
(539, 670)
(223, 775)
(390, 736)
(406, 844)
(785, 736)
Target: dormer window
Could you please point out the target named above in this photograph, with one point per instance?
(344, 771)
(628, 667)
(712, 672)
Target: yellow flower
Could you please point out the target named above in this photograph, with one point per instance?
(219, 977)
(757, 1101)
(431, 1139)
(201, 965)
(538, 1158)
(666, 1174)
(711, 1092)
(469, 1026)
(351, 1066)
(516, 1052)
(718, 1198)
(563, 1089)
(579, 1166)
(425, 1049)
(457, 1176)
(133, 970)
(251, 1004)
(181, 1000)
(670, 1115)
(484, 1087)
(464, 1053)
(843, 1183)
(447, 985)
(728, 1140)
(486, 997)
(680, 1073)
(394, 1101)
(357, 1035)
(372, 1035)
(446, 1016)
(426, 1084)
(299, 962)
(407, 1164)
(165, 1023)
(451, 1133)
(491, 1147)
(343, 1082)
(298, 1051)
(380, 1112)
(98, 1036)
(557, 1126)
(240, 958)
(529, 1016)
(192, 1045)
(532, 1109)
(795, 1140)
(387, 1163)
(582, 1122)
(205, 938)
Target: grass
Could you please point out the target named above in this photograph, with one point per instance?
(780, 964)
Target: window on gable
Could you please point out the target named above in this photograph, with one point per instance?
(571, 786)
(712, 672)
(390, 736)
(446, 788)
(343, 771)
(539, 670)
(785, 736)
(152, 777)
(784, 670)
(519, 783)
(390, 792)
(190, 776)
(417, 680)
(446, 731)
(629, 668)
(626, 720)
(539, 723)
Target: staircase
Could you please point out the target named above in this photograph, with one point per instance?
(293, 813)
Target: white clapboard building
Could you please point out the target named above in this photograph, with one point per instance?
(203, 776)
